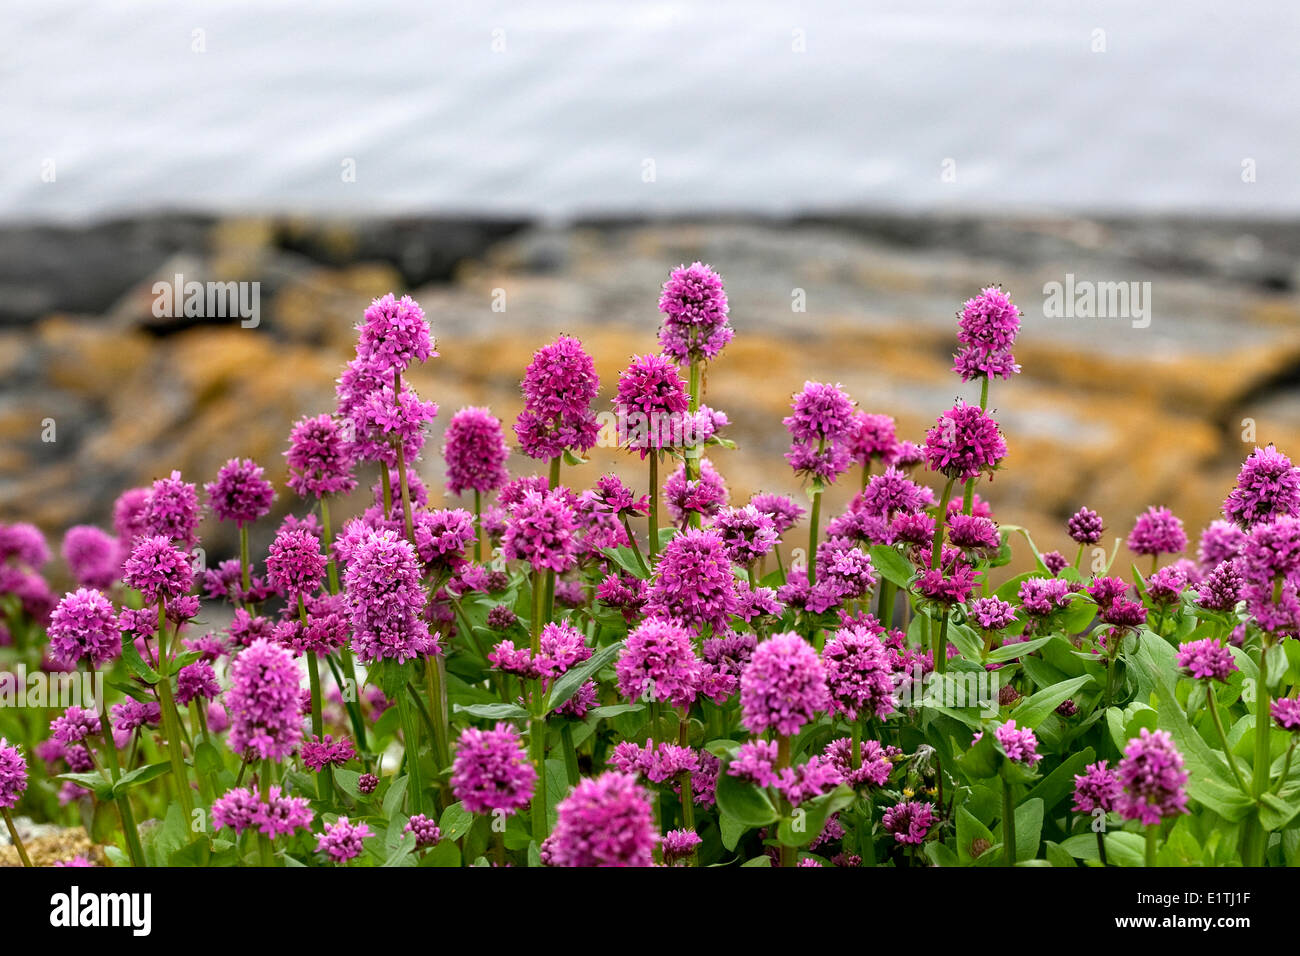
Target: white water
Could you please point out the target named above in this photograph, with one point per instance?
(584, 93)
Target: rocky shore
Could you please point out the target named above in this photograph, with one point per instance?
(1108, 411)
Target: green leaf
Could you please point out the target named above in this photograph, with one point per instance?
(893, 567)
(492, 711)
(135, 663)
(140, 775)
(1031, 711)
(102, 788)
(1059, 784)
(445, 853)
(455, 822)
(347, 781)
(966, 641)
(393, 798)
(566, 686)
(197, 852)
(1029, 828)
(743, 801)
(800, 829)
(207, 759)
(732, 830)
(1009, 652)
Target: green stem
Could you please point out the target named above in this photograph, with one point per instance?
(171, 720)
(1213, 707)
(941, 644)
(693, 452)
(782, 762)
(478, 526)
(1153, 834)
(386, 483)
(636, 548)
(1008, 824)
(537, 753)
(814, 520)
(571, 770)
(539, 595)
(886, 608)
(13, 835)
(330, 566)
(411, 746)
(1101, 847)
(245, 573)
(1286, 768)
(124, 811)
(265, 849)
(437, 709)
(654, 505)
(936, 550)
(1262, 724)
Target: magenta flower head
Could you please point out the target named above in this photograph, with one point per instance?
(604, 821)
(394, 334)
(1085, 526)
(1222, 587)
(1097, 788)
(13, 775)
(1019, 744)
(1285, 711)
(650, 405)
(694, 306)
(386, 599)
(694, 584)
(128, 515)
(611, 497)
(1157, 531)
(782, 509)
(1153, 778)
(319, 753)
(158, 569)
(704, 496)
(343, 840)
(974, 534)
(890, 493)
(859, 673)
(491, 771)
(820, 431)
(991, 614)
(84, 627)
(386, 419)
(559, 386)
(442, 536)
(1205, 660)
(541, 529)
(965, 442)
(241, 493)
(320, 460)
(1267, 486)
(92, 556)
(679, 845)
(658, 663)
(271, 812)
(1220, 541)
(475, 452)
(748, 533)
(295, 564)
(783, 687)
(872, 438)
(197, 680)
(172, 510)
(263, 700)
(25, 543)
(909, 821)
(987, 328)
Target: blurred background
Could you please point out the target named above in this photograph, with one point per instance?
(854, 170)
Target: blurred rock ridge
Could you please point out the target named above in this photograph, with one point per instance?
(1115, 411)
